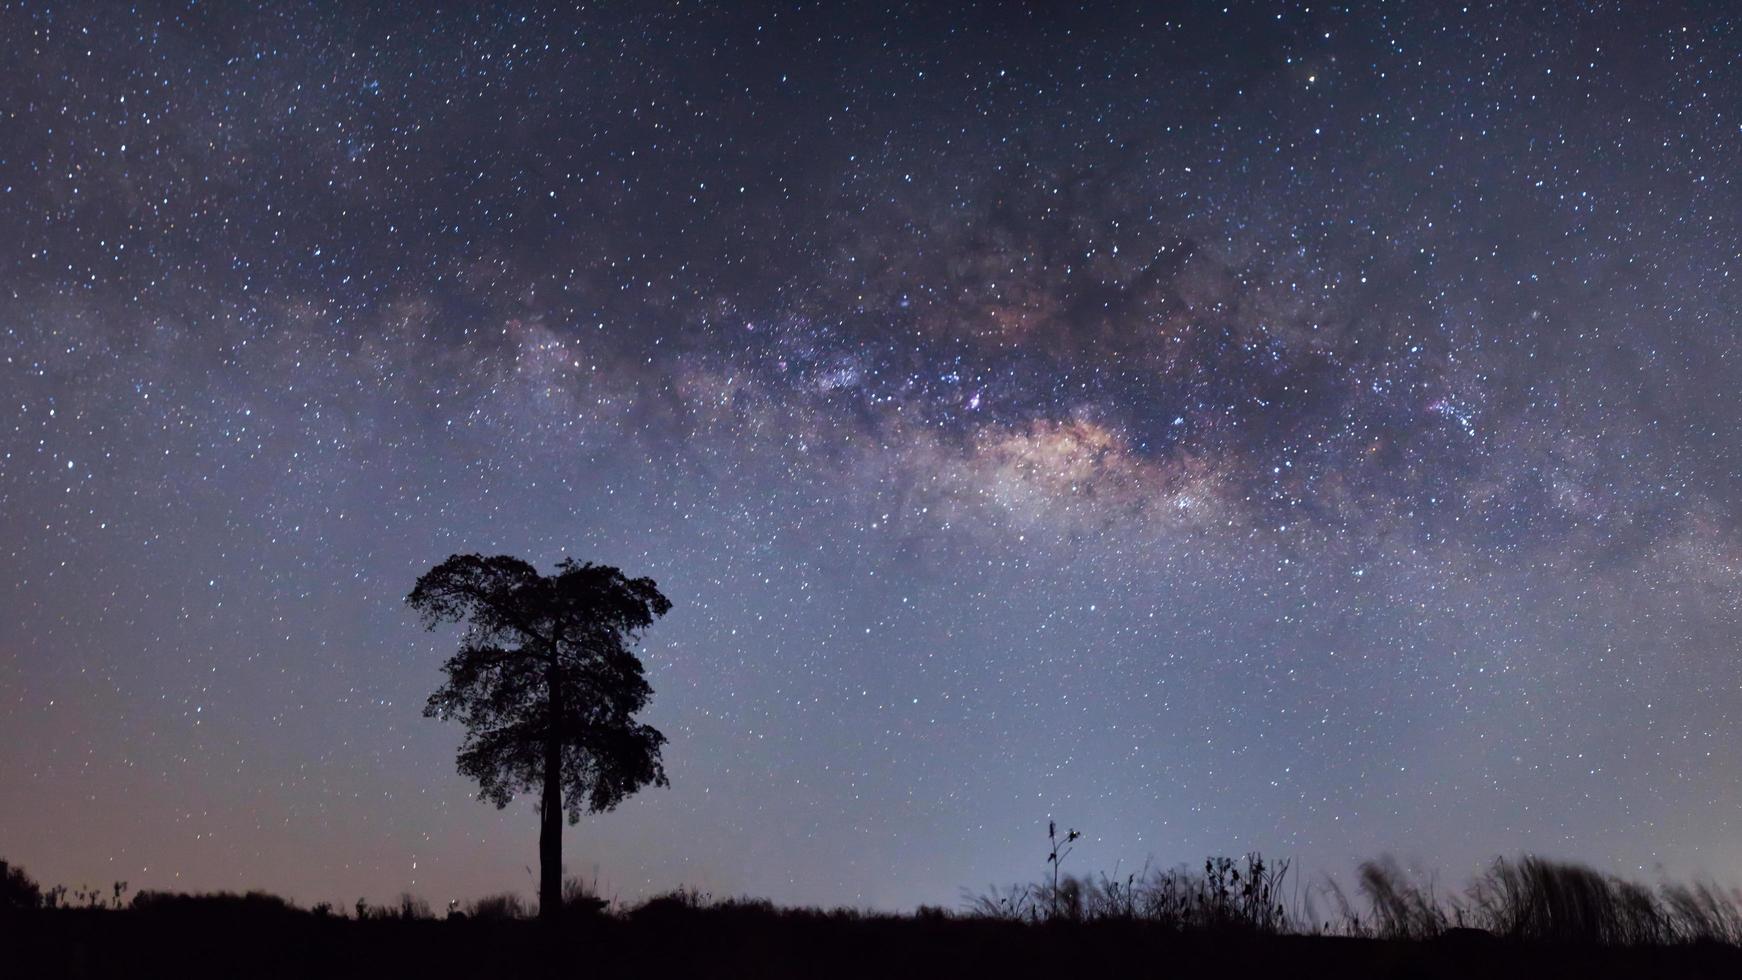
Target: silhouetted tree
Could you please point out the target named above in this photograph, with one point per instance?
(547, 685)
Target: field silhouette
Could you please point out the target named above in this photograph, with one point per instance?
(1523, 918)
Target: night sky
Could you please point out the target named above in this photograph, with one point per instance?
(1306, 428)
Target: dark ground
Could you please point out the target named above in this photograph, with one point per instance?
(758, 942)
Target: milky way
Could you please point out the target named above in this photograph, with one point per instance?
(1299, 428)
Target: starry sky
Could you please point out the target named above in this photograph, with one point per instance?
(1298, 427)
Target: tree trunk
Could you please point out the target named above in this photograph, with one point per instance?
(550, 843)
(550, 830)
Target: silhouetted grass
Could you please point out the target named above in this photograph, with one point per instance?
(1227, 895)
(1529, 899)
(1398, 907)
(1549, 901)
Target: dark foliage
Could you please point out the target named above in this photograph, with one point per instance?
(525, 634)
(498, 908)
(18, 891)
(212, 906)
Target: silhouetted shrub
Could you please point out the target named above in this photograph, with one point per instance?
(581, 897)
(212, 905)
(18, 891)
(675, 902)
(498, 908)
(745, 905)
